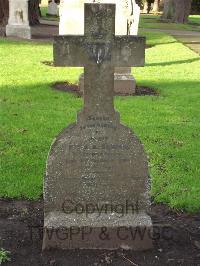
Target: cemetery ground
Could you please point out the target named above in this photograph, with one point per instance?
(32, 113)
(151, 21)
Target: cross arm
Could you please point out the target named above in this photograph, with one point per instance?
(128, 51)
(76, 51)
(69, 51)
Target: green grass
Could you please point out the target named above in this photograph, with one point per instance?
(32, 114)
(154, 22)
(4, 256)
(195, 19)
(150, 22)
(44, 11)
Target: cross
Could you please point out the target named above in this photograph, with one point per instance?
(99, 51)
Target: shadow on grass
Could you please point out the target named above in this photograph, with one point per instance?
(43, 92)
(172, 62)
(13, 41)
(178, 88)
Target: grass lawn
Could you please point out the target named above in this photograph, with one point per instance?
(32, 114)
(44, 11)
(154, 22)
(195, 19)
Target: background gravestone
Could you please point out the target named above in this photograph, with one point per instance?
(52, 8)
(97, 161)
(18, 23)
(136, 19)
(72, 22)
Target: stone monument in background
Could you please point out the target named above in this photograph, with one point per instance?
(136, 19)
(97, 166)
(18, 22)
(127, 22)
(52, 8)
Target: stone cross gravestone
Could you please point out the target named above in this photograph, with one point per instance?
(72, 22)
(97, 163)
(18, 23)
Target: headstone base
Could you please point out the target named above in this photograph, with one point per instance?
(94, 231)
(123, 83)
(20, 31)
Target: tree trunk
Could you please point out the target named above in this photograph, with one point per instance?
(34, 12)
(188, 7)
(182, 11)
(4, 12)
(156, 6)
(168, 10)
(149, 6)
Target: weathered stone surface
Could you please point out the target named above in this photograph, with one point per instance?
(97, 160)
(127, 13)
(18, 23)
(78, 231)
(124, 82)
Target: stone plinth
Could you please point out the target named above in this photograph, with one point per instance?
(124, 82)
(72, 231)
(18, 23)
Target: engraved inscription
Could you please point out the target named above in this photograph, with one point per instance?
(97, 158)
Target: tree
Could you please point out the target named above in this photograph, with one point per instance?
(177, 11)
(4, 9)
(195, 7)
(34, 12)
(182, 11)
(168, 10)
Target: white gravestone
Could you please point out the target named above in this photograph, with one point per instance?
(72, 22)
(18, 23)
(72, 16)
(52, 8)
(136, 19)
